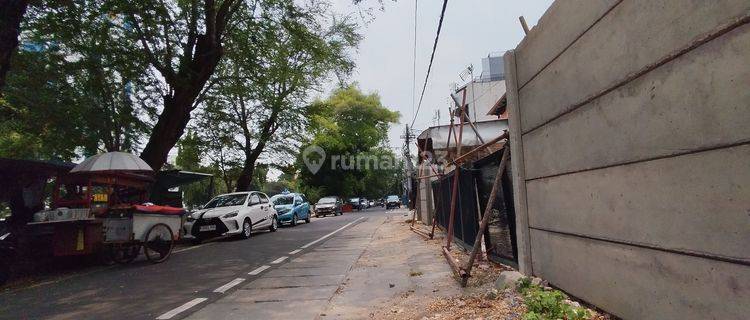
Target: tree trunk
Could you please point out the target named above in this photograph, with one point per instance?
(167, 131)
(269, 127)
(177, 106)
(246, 176)
(11, 14)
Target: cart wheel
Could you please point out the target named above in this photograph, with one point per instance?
(106, 255)
(159, 243)
(124, 254)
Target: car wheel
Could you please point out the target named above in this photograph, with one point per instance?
(307, 220)
(247, 228)
(294, 219)
(274, 224)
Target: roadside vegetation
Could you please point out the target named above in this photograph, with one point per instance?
(544, 304)
(230, 88)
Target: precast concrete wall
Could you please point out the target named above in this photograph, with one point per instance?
(630, 137)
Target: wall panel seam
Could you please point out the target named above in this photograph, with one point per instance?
(569, 45)
(701, 40)
(703, 255)
(648, 159)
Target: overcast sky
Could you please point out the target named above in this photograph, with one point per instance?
(472, 29)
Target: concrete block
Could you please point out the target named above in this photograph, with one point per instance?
(697, 202)
(637, 283)
(697, 101)
(605, 55)
(517, 165)
(568, 19)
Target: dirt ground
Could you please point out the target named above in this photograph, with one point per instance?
(426, 296)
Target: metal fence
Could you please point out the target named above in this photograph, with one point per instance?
(500, 236)
(466, 220)
(474, 190)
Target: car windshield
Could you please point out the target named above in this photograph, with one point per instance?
(227, 200)
(353, 200)
(392, 198)
(282, 200)
(327, 200)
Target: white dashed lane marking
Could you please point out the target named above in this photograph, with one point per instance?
(171, 313)
(258, 270)
(192, 303)
(279, 260)
(229, 285)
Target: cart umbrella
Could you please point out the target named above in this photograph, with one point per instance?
(113, 161)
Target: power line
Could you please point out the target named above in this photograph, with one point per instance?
(414, 62)
(432, 57)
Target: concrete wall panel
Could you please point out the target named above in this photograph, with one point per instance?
(696, 203)
(697, 101)
(570, 19)
(640, 283)
(606, 54)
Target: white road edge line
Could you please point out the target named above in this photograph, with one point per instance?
(258, 270)
(171, 313)
(279, 260)
(229, 285)
(330, 234)
(295, 251)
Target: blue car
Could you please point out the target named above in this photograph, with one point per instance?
(291, 208)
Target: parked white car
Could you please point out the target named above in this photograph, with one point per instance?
(238, 213)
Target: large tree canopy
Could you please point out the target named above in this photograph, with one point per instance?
(264, 96)
(352, 125)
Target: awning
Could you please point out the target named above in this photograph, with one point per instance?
(173, 178)
(436, 138)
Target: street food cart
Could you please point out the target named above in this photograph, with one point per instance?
(101, 207)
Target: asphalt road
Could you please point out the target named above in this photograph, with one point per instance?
(142, 290)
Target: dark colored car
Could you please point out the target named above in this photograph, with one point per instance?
(328, 205)
(392, 202)
(356, 204)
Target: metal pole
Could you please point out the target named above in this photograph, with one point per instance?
(457, 171)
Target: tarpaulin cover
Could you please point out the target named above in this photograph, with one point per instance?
(500, 236)
(159, 209)
(466, 219)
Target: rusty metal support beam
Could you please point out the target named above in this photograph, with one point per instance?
(463, 157)
(456, 175)
(429, 176)
(420, 232)
(496, 187)
(454, 265)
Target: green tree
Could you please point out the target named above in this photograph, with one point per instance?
(87, 90)
(349, 125)
(262, 88)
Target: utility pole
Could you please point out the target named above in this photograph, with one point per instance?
(408, 136)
